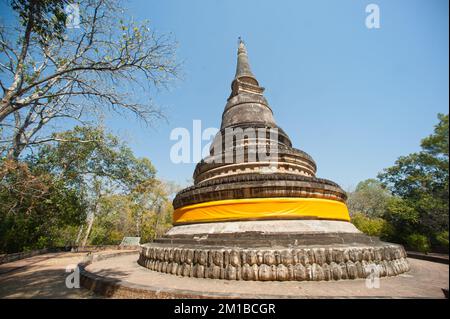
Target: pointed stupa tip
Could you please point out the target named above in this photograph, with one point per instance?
(241, 46)
(243, 66)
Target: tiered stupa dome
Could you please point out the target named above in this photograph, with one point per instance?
(289, 176)
(257, 211)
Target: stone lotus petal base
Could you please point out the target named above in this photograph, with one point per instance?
(275, 264)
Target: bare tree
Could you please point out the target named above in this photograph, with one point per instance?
(101, 63)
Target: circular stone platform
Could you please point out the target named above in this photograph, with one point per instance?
(272, 263)
(299, 250)
(122, 277)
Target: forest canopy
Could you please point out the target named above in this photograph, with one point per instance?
(408, 203)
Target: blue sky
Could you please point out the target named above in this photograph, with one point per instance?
(353, 98)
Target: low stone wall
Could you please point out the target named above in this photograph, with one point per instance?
(299, 264)
(103, 247)
(114, 288)
(7, 258)
(434, 257)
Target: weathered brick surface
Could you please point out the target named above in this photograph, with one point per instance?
(316, 263)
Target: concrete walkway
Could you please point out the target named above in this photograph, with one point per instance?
(44, 276)
(425, 280)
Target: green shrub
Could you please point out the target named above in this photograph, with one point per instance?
(372, 226)
(442, 239)
(418, 242)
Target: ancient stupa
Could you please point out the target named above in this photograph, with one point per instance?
(264, 218)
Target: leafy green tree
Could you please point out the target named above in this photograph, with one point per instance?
(152, 208)
(420, 181)
(437, 144)
(442, 239)
(373, 226)
(37, 210)
(84, 187)
(45, 18)
(94, 162)
(113, 221)
(418, 242)
(370, 198)
(146, 212)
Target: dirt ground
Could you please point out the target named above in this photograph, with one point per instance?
(44, 276)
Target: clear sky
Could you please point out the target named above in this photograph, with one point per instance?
(353, 98)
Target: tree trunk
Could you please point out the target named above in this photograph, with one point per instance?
(77, 241)
(88, 230)
(158, 213)
(80, 232)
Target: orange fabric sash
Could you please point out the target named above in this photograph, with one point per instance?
(262, 208)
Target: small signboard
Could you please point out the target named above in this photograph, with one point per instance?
(130, 241)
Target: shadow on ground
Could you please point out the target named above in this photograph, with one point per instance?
(41, 277)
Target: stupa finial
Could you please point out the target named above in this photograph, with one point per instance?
(244, 80)
(243, 66)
